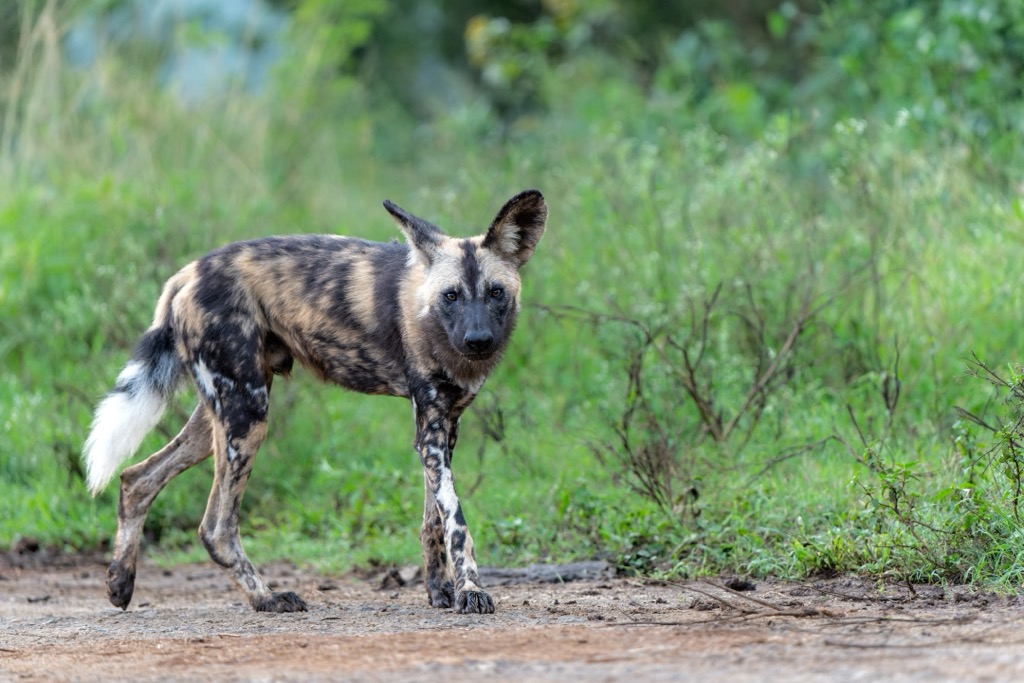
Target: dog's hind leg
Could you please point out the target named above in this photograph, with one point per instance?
(140, 485)
(238, 433)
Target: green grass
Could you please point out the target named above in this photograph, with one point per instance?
(915, 248)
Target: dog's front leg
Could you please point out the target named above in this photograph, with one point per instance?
(436, 431)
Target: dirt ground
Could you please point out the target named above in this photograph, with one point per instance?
(189, 623)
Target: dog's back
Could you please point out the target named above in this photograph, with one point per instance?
(331, 302)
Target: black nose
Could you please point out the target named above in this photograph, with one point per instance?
(478, 341)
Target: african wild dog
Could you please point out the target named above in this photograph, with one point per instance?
(427, 320)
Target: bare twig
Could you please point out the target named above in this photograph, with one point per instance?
(786, 455)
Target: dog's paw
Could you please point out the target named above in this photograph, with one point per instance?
(442, 596)
(474, 602)
(120, 584)
(280, 602)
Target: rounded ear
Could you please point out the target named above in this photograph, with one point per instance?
(424, 237)
(518, 227)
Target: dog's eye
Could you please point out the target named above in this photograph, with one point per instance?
(452, 295)
(497, 292)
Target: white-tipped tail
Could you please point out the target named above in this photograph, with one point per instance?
(122, 420)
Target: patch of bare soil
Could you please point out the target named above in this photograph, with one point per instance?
(189, 623)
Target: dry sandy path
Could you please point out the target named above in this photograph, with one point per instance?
(188, 623)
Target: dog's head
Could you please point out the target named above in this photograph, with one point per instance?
(470, 287)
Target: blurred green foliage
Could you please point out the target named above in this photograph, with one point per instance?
(953, 66)
(865, 155)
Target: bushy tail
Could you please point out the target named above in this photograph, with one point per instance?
(133, 408)
(139, 398)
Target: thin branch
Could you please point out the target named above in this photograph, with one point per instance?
(787, 455)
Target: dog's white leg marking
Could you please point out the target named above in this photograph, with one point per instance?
(204, 378)
(207, 383)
